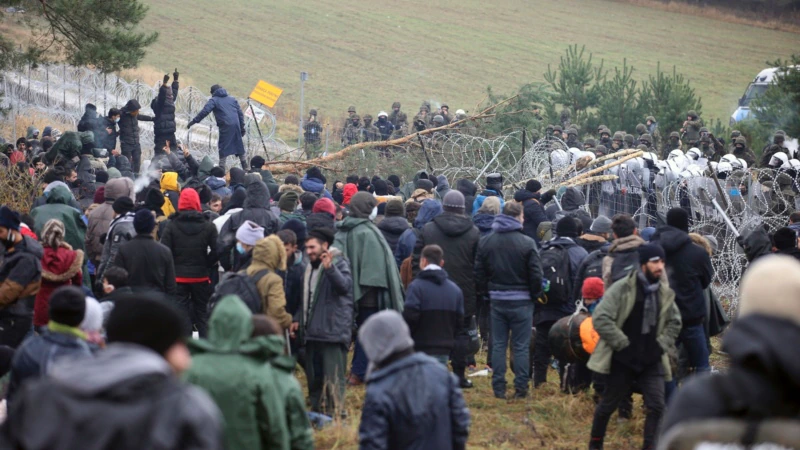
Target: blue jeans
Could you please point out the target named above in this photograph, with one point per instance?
(359, 367)
(515, 318)
(693, 339)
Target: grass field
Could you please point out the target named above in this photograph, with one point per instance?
(370, 54)
(547, 419)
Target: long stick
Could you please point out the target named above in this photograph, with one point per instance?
(260, 136)
(723, 214)
(427, 158)
(603, 168)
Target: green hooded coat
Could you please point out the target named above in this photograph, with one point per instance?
(250, 381)
(372, 263)
(57, 207)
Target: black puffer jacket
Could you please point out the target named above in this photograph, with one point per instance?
(469, 190)
(129, 126)
(763, 381)
(188, 235)
(507, 260)
(392, 228)
(149, 265)
(458, 238)
(534, 212)
(256, 209)
(164, 109)
(689, 270)
(91, 121)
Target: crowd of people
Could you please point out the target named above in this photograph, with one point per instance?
(173, 309)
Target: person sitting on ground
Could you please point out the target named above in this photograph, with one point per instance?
(411, 401)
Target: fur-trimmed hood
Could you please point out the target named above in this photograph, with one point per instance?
(702, 242)
(61, 264)
(291, 187)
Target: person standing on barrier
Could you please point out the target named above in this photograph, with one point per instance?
(230, 122)
(164, 110)
(129, 132)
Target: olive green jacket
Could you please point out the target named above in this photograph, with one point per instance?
(614, 310)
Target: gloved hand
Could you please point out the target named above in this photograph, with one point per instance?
(189, 125)
(166, 78)
(244, 132)
(175, 74)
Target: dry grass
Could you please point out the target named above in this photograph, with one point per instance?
(547, 419)
(787, 22)
(20, 124)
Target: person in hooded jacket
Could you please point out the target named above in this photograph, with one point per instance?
(237, 179)
(408, 240)
(248, 379)
(120, 231)
(192, 240)
(129, 132)
(60, 339)
(230, 122)
(763, 378)
(454, 232)
(255, 209)
(408, 189)
(61, 266)
(314, 181)
(411, 400)
(20, 278)
(172, 191)
(442, 186)
(269, 257)
(533, 203)
(494, 188)
(376, 281)
(216, 181)
(784, 242)
(91, 121)
(394, 223)
(508, 272)
(596, 236)
(101, 217)
(58, 208)
(128, 397)
(690, 272)
(484, 217)
(163, 107)
(325, 319)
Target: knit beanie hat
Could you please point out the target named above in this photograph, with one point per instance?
(593, 288)
(53, 234)
(394, 207)
(567, 227)
(217, 171)
(395, 180)
(601, 224)
(122, 205)
(101, 176)
(249, 233)
(113, 173)
(299, 229)
(68, 306)
(678, 218)
(426, 185)
(154, 200)
(362, 204)
(651, 252)
(151, 322)
(762, 292)
(453, 202)
(324, 205)
(99, 195)
(315, 172)
(288, 201)
(144, 222)
(382, 335)
(533, 186)
(9, 219)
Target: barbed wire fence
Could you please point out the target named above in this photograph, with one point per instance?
(60, 92)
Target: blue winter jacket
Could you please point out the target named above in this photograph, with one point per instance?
(37, 353)
(407, 241)
(218, 186)
(315, 186)
(476, 205)
(230, 121)
(413, 403)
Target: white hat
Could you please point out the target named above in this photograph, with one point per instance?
(383, 113)
(460, 112)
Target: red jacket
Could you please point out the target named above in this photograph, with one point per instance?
(60, 267)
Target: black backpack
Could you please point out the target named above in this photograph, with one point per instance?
(556, 269)
(241, 285)
(594, 264)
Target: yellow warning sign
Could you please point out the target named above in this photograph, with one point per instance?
(266, 94)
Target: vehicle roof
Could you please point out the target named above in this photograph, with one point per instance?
(767, 76)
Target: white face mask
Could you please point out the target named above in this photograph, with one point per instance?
(373, 214)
